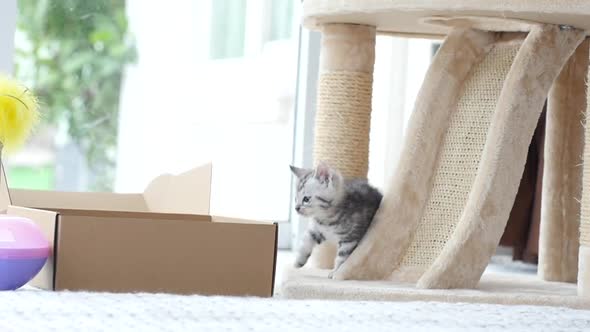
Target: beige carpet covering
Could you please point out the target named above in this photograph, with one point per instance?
(562, 175)
(497, 287)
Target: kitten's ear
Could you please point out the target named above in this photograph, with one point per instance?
(299, 172)
(337, 178)
(324, 173)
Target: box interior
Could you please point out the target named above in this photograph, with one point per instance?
(187, 193)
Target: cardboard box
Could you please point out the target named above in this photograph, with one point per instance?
(162, 240)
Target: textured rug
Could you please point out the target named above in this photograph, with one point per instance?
(27, 310)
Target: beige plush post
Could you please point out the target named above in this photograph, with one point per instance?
(562, 177)
(584, 252)
(537, 64)
(403, 204)
(343, 115)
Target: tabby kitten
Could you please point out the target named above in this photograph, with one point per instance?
(340, 210)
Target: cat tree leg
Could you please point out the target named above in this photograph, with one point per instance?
(539, 61)
(343, 114)
(584, 251)
(562, 177)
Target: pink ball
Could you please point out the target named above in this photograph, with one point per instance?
(23, 251)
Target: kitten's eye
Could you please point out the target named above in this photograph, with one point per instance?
(306, 199)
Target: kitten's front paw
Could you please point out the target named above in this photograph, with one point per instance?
(331, 274)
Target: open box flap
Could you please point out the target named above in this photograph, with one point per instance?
(67, 200)
(186, 193)
(189, 192)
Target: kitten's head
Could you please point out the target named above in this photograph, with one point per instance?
(317, 189)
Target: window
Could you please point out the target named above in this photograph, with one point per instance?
(133, 89)
(281, 20)
(72, 54)
(400, 67)
(227, 28)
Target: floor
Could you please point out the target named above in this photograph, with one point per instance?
(285, 258)
(27, 310)
(24, 310)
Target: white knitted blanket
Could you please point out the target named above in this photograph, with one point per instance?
(27, 310)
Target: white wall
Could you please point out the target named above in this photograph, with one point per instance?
(179, 109)
(400, 66)
(418, 61)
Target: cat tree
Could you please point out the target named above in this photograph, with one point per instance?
(447, 205)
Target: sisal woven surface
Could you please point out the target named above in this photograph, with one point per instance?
(343, 121)
(459, 157)
(585, 227)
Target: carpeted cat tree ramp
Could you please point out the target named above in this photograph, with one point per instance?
(446, 207)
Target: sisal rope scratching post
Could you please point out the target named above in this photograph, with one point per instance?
(343, 116)
(562, 176)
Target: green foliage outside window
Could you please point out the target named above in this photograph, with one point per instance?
(36, 177)
(72, 53)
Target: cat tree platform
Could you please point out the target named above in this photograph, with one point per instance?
(497, 287)
(413, 17)
(447, 205)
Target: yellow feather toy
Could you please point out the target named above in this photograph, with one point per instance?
(19, 113)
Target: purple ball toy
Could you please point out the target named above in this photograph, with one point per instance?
(23, 251)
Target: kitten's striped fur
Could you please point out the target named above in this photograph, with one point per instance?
(340, 210)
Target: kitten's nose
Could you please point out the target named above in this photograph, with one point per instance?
(298, 208)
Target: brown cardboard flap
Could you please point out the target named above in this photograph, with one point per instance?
(239, 221)
(78, 200)
(189, 192)
(176, 256)
(46, 220)
(141, 216)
